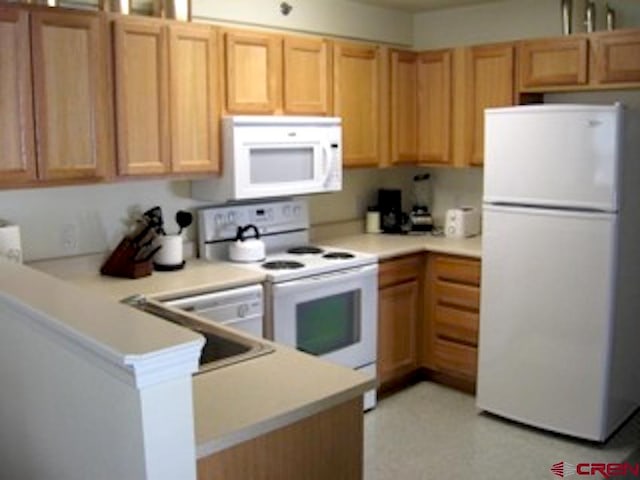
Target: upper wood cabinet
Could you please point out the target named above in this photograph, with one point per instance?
(17, 141)
(253, 72)
(601, 60)
(404, 107)
(487, 81)
(307, 77)
(63, 114)
(435, 106)
(616, 57)
(553, 62)
(193, 95)
(357, 73)
(166, 97)
(274, 74)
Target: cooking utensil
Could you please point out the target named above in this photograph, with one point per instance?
(245, 249)
(154, 217)
(183, 219)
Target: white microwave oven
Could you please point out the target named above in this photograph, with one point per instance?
(276, 156)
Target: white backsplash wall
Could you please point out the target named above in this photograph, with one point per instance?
(455, 187)
(65, 221)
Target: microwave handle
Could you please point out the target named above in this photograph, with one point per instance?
(326, 164)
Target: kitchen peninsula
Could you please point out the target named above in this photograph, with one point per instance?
(99, 390)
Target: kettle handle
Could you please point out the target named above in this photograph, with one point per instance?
(242, 230)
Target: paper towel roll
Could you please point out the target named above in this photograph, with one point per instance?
(10, 247)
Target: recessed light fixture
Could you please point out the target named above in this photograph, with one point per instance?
(285, 8)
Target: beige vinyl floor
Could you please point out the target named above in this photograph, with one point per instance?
(429, 431)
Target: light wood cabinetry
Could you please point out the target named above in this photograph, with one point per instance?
(553, 62)
(445, 121)
(357, 74)
(399, 314)
(253, 72)
(17, 141)
(435, 104)
(404, 108)
(274, 74)
(326, 445)
(166, 97)
(55, 104)
(193, 95)
(601, 60)
(307, 76)
(616, 57)
(487, 81)
(451, 330)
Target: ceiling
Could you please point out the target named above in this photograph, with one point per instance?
(421, 5)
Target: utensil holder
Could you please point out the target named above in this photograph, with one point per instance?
(121, 262)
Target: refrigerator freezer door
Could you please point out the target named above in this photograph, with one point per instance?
(552, 155)
(545, 318)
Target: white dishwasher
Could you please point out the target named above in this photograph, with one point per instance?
(239, 308)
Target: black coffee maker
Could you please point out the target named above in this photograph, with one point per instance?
(390, 205)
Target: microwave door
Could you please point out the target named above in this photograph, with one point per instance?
(281, 169)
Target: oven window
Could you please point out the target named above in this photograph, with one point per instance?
(281, 165)
(329, 323)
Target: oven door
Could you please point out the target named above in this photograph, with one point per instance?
(332, 315)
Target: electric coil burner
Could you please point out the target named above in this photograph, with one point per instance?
(282, 265)
(338, 255)
(305, 249)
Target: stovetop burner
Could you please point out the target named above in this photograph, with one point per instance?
(338, 255)
(282, 265)
(305, 249)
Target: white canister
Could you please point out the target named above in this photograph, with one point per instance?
(10, 246)
(372, 220)
(171, 252)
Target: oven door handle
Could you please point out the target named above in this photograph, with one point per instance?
(343, 275)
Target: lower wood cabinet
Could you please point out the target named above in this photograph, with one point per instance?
(452, 312)
(326, 445)
(399, 314)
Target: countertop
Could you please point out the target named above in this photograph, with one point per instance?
(386, 246)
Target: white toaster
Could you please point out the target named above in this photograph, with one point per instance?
(462, 222)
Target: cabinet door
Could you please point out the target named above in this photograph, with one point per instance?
(71, 95)
(488, 82)
(617, 57)
(556, 62)
(435, 107)
(17, 160)
(404, 106)
(306, 76)
(193, 88)
(141, 97)
(252, 72)
(397, 323)
(356, 76)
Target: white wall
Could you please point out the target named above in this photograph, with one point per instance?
(329, 17)
(509, 20)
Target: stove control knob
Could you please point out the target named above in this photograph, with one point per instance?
(296, 211)
(218, 219)
(243, 310)
(286, 210)
(231, 217)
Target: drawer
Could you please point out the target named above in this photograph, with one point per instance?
(399, 270)
(456, 359)
(462, 296)
(455, 324)
(457, 269)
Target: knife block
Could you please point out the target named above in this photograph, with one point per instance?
(121, 262)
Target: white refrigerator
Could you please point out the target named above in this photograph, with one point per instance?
(559, 343)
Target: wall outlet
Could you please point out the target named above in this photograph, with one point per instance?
(69, 237)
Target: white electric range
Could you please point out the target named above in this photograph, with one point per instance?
(321, 300)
